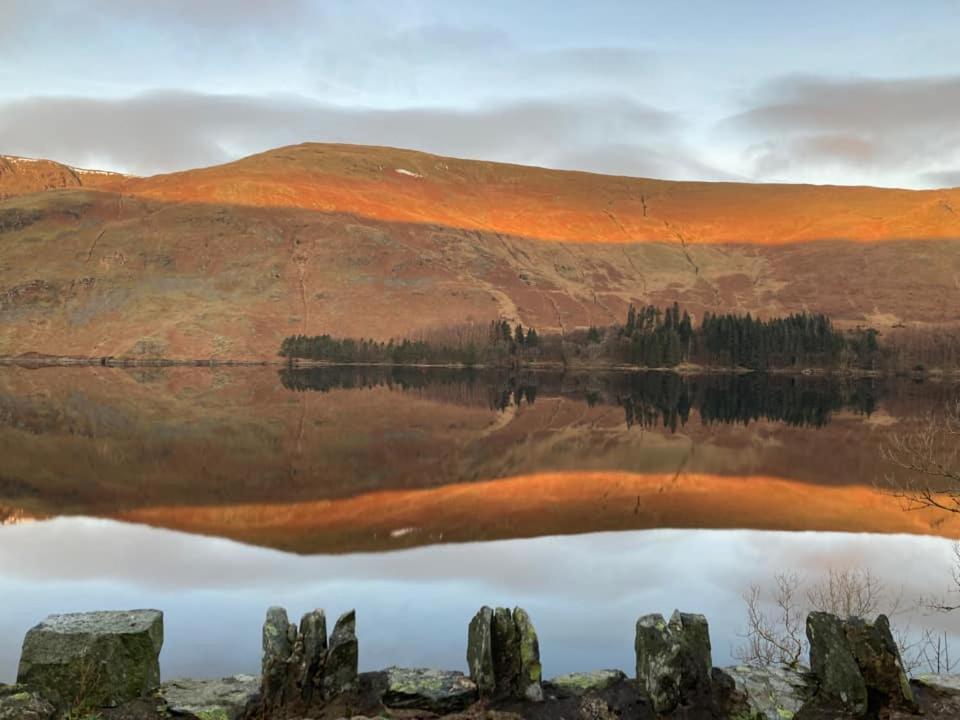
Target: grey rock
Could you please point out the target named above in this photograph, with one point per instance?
(771, 693)
(437, 691)
(279, 637)
(302, 670)
(503, 654)
(674, 660)
(93, 660)
(18, 703)
(506, 656)
(341, 667)
(878, 657)
(658, 671)
(226, 699)
(480, 651)
(583, 683)
(313, 635)
(692, 634)
(833, 663)
(594, 708)
(529, 682)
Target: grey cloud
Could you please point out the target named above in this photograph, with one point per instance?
(168, 131)
(907, 127)
(946, 178)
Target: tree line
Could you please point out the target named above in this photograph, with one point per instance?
(665, 338)
(649, 337)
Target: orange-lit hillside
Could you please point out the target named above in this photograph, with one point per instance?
(407, 186)
(224, 262)
(22, 176)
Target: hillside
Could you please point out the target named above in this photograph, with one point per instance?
(224, 262)
(22, 176)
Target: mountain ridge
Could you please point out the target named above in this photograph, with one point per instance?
(224, 262)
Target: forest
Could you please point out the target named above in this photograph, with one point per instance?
(649, 337)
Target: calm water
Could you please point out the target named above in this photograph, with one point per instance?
(417, 496)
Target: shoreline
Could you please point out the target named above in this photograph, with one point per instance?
(31, 361)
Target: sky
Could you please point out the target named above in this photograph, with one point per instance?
(849, 92)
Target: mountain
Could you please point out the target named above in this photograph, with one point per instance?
(22, 176)
(224, 262)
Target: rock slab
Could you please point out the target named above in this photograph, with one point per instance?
(93, 660)
(226, 699)
(674, 660)
(436, 691)
(583, 683)
(503, 654)
(769, 693)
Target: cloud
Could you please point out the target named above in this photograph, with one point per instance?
(906, 128)
(166, 131)
(945, 178)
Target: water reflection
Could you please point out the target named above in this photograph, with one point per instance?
(649, 399)
(584, 592)
(339, 459)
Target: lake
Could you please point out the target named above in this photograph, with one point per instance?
(416, 496)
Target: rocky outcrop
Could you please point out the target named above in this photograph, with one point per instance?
(19, 703)
(857, 664)
(437, 691)
(583, 683)
(228, 699)
(674, 661)
(301, 669)
(503, 654)
(343, 657)
(763, 693)
(100, 659)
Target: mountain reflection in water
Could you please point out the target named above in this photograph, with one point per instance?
(648, 398)
(334, 460)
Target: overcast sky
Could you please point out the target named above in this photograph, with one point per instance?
(830, 92)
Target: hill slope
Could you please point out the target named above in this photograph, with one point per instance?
(226, 261)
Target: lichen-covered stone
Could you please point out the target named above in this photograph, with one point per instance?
(480, 651)
(341, 666)
(92, 660)
(878, 657)
(503, 654)
(771, 692)
(18, 703)
(313, 639)
(692, 635)
(506, 656)
(674, 660)
(437, 691)
(658, 670)
(834, 664)
(529, 683)
(226, 699)
(582, 683)
(279, 637)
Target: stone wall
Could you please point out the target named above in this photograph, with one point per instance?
(105, 666)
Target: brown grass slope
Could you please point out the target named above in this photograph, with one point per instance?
(224, 262)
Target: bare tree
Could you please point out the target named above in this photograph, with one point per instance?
(775, 636)
(776, 630)
(928, 463)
